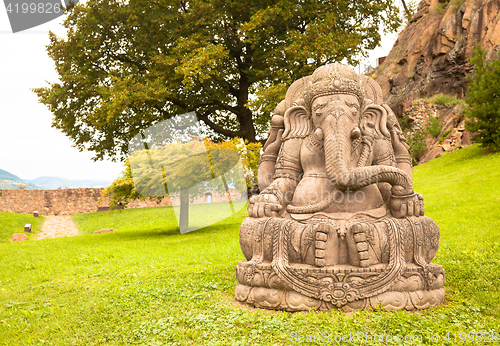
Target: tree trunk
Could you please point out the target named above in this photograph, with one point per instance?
(406, 8)
(246, 125)
(245, 114)
(184, 211)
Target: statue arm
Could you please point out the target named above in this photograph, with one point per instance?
(412, 205)
(267, 162)
(401, 154)
(275, 197)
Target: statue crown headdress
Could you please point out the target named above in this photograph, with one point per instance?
(334, 79)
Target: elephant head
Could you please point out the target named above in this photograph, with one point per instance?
(342, 107)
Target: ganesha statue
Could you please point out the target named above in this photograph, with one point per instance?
(337, 224)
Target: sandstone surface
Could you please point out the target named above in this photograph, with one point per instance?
(432, 54)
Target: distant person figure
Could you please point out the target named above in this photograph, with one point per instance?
(121, 205)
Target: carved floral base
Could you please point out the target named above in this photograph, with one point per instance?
(292, 301)
(259, 286)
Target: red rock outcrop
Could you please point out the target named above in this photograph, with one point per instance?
(432, 53)
(452, 136)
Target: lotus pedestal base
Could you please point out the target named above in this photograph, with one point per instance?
(261, 287)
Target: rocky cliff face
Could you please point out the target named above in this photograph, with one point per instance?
(432, 53)
(452, 134)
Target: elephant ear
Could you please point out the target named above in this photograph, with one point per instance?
(373, 92)
(297, 123)
(277, 124)
(295, 91)
(377, 115)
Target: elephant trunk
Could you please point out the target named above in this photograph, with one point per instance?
(337, 157)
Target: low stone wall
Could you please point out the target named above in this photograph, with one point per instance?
(51, 202)
(83, 200)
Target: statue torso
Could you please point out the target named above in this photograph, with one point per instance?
(315, 186)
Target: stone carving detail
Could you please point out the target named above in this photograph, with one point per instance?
(337, 224)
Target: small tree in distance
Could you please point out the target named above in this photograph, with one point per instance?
(123, 189)
(186, 170)
(483, 100)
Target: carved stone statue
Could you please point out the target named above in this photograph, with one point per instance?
(337, 223)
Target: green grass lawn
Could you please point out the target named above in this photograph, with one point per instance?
(11, 223)
(146, 284)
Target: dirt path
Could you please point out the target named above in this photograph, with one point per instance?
(58, 226)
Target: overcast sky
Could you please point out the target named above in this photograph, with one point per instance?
(29, 146)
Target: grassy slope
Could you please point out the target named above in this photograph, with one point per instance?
(11, 223)
(146, 284)
(462, 193)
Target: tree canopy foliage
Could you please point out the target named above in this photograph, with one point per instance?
(483, 100)
(126, 65)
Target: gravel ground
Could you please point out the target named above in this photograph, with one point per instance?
(58, 226)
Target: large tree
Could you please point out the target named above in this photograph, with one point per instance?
(126, 65)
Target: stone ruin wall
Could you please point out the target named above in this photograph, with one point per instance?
(52, 202)
(82, 200)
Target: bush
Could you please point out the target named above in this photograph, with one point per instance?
(445, 134)
(410, 8)
(416, 139)
(483, 100)
(439, 8)
(445, 100)
(434, 126)
(457, 4)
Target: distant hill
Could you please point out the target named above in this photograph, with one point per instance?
(52, 183)
(5, 185)
(4, 175)
(12, 181)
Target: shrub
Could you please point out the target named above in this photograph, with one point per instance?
(445, 134)
(439, 7)
(483, 100)
(416, 138)
(416, 141)
(410, 8)
(457, 4)
(434, 126)
(445, 100)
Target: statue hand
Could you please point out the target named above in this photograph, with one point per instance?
(409, 205)
(274, 143)
(263, 205)
(398, 144)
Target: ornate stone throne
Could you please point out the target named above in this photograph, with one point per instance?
(337, 224)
